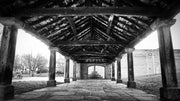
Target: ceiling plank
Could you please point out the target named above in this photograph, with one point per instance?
(74, 11)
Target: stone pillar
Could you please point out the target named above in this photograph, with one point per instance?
(66, 79)
(130, 83)
(119, 80)
(74, 71)
(52, 67)
(170, 90)
(113, 72)
(7, 53)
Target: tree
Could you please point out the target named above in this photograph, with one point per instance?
(17, 63)
(34, 63)
(60, 65)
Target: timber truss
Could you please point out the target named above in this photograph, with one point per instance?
(88, 31)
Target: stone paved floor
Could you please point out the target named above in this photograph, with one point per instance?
(87, 90)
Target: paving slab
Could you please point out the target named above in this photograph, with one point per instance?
(87, 90)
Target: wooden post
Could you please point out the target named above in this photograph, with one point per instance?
(170, 90)
(113, 73)
(7, 54)
(67, 80)
(52, 67)
(119, 80)
(94, 68)
(130, 83)
(74, 71)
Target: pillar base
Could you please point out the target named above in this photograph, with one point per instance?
(170, 94)
(6, 92)
(131, 84)
(113, 79)
(66, 80)
(119, 81)
(74, 79)
(51, 83)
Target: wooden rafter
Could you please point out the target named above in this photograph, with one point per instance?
(71, 22)
(86, 43)
(111, 18)
(49, 24)
(84, 11)
(39, 20)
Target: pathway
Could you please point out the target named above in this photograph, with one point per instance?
(87, 90)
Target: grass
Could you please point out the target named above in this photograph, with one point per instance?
(26, 86)
(150, 84)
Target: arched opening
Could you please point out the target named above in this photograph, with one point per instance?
(96, 72)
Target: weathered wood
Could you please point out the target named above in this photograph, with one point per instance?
(72, 24)
(49, 24)
(52, 67)
(88, 3)
(134, 23)
(85, 11)
(173, 11)
(39, 20)
(110, 23)
(80, 33)
(113, 72)
(74, 71)
(170, 90)
(7, 54)
(92, 54)
(119, 80)
(93, 58)
(168, 67)
(66, 79)
(52, 64)
(130, 83)
(87, 43)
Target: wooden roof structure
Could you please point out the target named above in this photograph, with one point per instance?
(88, 31)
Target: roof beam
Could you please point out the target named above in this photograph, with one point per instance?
(108, 31)
(71, 22)
(74, 11)
(174, 10)
(93, 54)
(87, 43)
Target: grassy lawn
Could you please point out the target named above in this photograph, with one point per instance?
(26, 86)
(150, 84)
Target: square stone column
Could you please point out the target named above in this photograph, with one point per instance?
(66, 79)
(7, 53)
(170, 90)
(52, 67)
(119, 80)
(113, 73)
(130, 83)
(74, 71)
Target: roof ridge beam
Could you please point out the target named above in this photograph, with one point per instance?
(74, 11)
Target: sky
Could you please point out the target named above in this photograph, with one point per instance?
(26, 43)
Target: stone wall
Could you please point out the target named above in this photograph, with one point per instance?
(147, 62)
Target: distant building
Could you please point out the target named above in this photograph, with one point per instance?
(147, 62)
